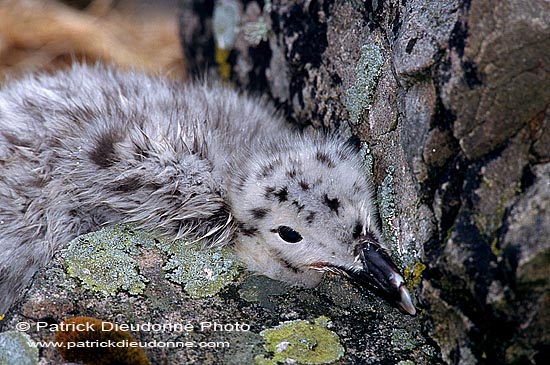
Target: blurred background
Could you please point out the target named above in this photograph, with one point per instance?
(51, 34)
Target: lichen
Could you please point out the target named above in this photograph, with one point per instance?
(15, 349)
(360, 95)
(301, 342)
(368, 159)
(203, 272)
(225, 22)
(256, 32)
(388, 211)
(221, 56)
(103, 261)
(413, 274)
(495, 249)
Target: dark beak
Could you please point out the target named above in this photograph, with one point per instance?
(381, 276)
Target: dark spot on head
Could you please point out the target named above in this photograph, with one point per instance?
(310, 217)
(304, 185)
(291, 173)
(266, 170)
(333, 204)
(298, 205)
(268, 191)
(259, 213)
(282, 195)
(128, 185)
(249, 231)
(103, 153)
(325, 159)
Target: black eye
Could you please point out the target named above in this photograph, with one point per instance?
(288, 234)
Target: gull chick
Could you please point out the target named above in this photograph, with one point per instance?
(93, 146)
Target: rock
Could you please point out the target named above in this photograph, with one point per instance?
(212, 316)
(526, 248)
(495, 80)
(15, 349)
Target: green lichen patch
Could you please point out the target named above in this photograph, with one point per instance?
(102, 261)
(388, 210)
(15, 348)
(368, 159)
(360, 95)
(203, 272)
(256, 32)
(301, 342)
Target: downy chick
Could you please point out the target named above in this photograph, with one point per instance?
(93, 146)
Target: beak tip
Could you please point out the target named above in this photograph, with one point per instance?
(406, 302)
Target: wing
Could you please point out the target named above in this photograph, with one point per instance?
(92, 146)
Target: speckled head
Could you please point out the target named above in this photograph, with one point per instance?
(306, 206)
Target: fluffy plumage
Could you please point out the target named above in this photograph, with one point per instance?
(93, 146)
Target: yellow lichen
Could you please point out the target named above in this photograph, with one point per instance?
(224, 68)
(413, 274)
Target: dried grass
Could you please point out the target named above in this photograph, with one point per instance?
(46, 35)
